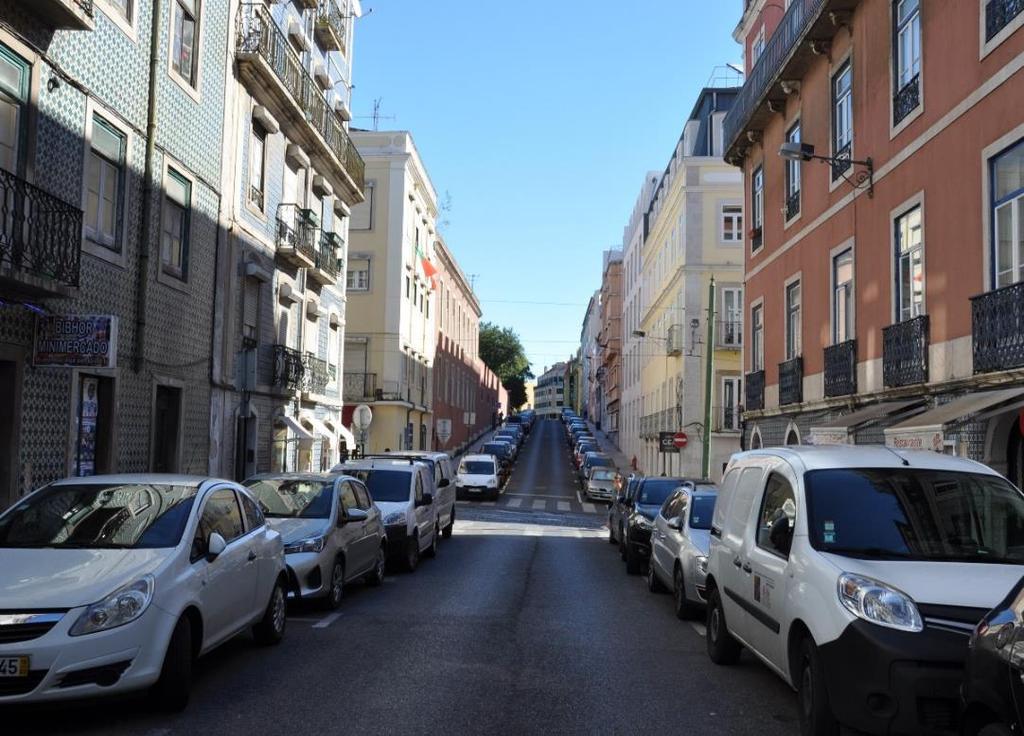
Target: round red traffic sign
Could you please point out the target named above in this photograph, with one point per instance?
(680, 439)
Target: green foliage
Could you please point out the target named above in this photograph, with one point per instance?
(503, 353)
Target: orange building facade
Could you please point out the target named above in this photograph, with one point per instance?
(884, 254)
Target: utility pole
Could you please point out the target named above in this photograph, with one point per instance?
(709, 368)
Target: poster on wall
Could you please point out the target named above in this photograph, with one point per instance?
(70, 340)
(88, 415)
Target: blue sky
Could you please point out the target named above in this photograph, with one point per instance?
(540, 120)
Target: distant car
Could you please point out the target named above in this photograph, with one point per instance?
(115, 583)
(479, 475)
(402, 493)
(635, 517)
(601, 483)
(444, 483)
(593, 460)
(680, 542)
(510, 439)
(331, 530)
(504, 451)
(582, 448)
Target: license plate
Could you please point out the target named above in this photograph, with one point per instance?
(13, 666)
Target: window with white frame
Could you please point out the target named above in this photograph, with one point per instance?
(124, 7)
(756, 207)
(732, 392)
(251, 309)
(185, 39)
(909, 234)
(907, 17)
(174, 226)
(1008, 216)
(757, 337)
(257, 164)
(842, 118)
(732, 316)
(842, 297)
(732, 223)
(792, 320)
(793, 175)
(105, 185)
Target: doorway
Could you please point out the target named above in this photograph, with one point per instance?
(166, 430)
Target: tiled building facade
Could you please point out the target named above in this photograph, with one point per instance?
(89, 252)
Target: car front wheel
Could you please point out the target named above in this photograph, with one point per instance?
(270, 629)
(653, 583)
(447, 533)
(634, 562)
(337, 590)
(171, 691)
(684, 609)
(412, 553)
(816, 717)
(376, 576)
(722, 648)
(434, 539)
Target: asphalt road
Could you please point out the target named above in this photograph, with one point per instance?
(525, 623)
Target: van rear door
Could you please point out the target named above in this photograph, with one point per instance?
(742, 485)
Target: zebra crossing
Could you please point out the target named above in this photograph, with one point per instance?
(536, 503)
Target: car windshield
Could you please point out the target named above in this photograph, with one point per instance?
(915, 514)
(701, 510)
(384, 485)
(654, 491)
(594, 461)
(477, 467)
(495, 448)
(284, 498)
(99, 516)
(602, 474)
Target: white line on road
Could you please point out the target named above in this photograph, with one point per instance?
(327, 621)
(488, 503)
(579, 497)
(540, 505)
(514, 503)
(589, 508)
(699, 628)
(563, 506)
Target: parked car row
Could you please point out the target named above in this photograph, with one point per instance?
(118, 583)
(485, 473)
(595, 471)
(883, 586)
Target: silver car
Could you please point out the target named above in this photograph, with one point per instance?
(602, 484)
(680, 542)
(331, 529)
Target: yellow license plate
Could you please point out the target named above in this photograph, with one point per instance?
(13, 666)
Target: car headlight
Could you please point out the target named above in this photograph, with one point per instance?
(643, 522)
(395, 518)
(122, 606)
(702, 565)
(492, 482)
(313, 544)
(878, 603)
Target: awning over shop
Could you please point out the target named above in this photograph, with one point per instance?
(839, 431)
(348, 437)
(319, 428)
(926, 431)
(297, 429)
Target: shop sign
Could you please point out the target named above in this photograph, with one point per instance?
(829, 436)
(920, 439)
(71, 340)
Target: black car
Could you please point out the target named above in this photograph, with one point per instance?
(631, 517)
(993, 691)
(501, 450)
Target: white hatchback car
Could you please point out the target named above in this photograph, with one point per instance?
(116, 583)
(858, 574)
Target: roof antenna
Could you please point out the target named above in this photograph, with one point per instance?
(902, 459)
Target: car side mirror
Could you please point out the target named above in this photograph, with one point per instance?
(443, 483)
(353, 515)
(215, 546)
(676, 523)
(781, 535)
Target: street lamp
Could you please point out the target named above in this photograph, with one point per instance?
(799, 151)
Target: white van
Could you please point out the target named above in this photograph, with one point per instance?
(858, 574)
(444, 483)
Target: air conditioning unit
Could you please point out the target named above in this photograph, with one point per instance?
(674, 343)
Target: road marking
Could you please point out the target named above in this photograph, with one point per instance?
(540, 505)
(327, 621)
(514, 503)
(579, 497)
(563, 506)
(534, 495)
(488, 503)
(589, 508)
(699, 628)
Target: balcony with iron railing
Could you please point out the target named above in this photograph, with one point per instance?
(40, 240)
(906, 99)
(841, 369)
(997, 328)
(359, 387)
(729, 333)
(999, 14)
(288, 368)
(787, 55)
(726, 418)
(791, 381)
(905, 352)
(316, 375)
(792, 205)
(298, 235)
(330, 27)
(275, 74)
(328, 259)
(73, 15)
(753, 386)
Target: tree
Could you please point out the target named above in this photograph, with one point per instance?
(503, 353)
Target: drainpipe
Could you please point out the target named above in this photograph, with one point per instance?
(142, 287)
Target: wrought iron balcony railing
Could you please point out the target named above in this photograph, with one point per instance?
(786, 37)
(288, 367)
(330, 28)
(905, 352)
(998, 14)
(793, 205)
(297, 233)
(258, 36)
(841, 369)
(316, 376)
(328, 258)
(791, 381)
(906, 100)
(40, 235)
(753, 386)
(359, 386)
(843, 161)
(997, 325)
(756, 238)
